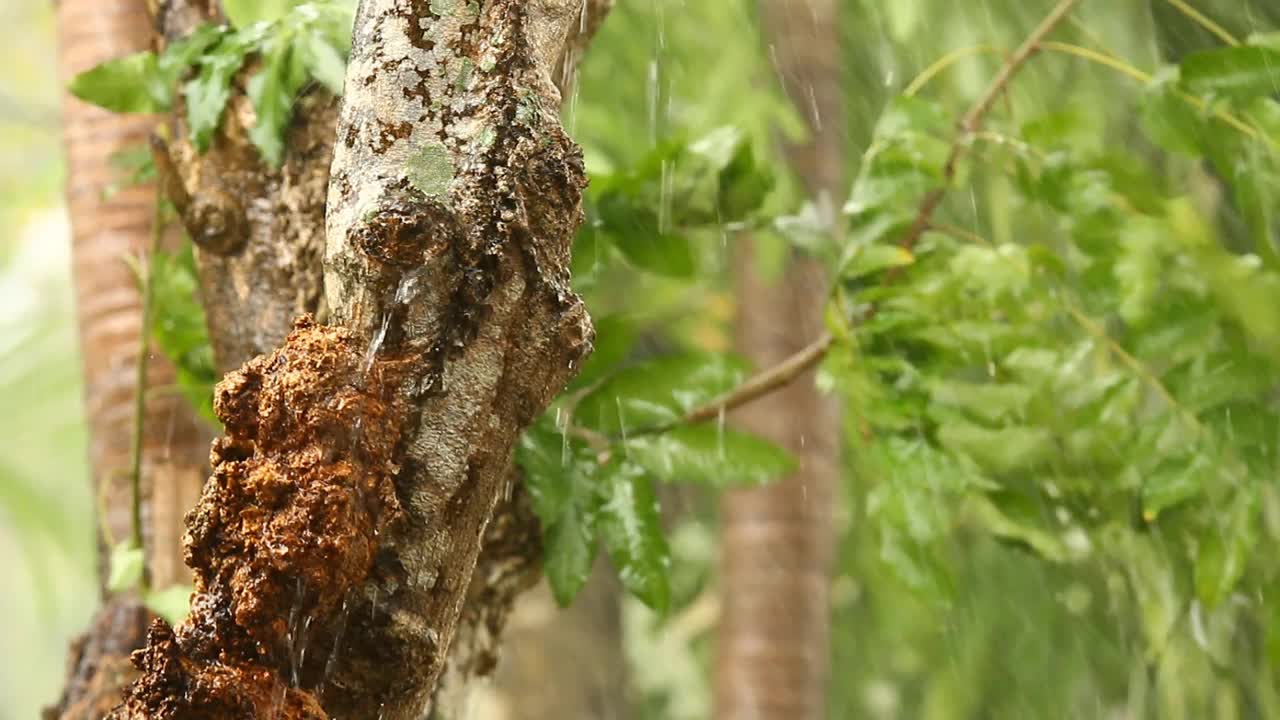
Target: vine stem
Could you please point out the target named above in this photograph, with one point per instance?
(145, 284)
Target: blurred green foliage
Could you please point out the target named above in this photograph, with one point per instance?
(1061, 403)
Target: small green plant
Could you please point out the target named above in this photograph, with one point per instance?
(284, 45)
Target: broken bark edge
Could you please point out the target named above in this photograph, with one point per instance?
(303, 485)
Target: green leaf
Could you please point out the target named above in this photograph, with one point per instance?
(743, 186)
(1174, 482)
(916, 564)
(1021, 527)
(1003, 450)
(639, 233)
(1169, 120)
(911, 114)
(172, 603)
(570, 551)
(271, 91)
(1244, 71)
(559, 474)
(659, 391)
(868, 259)
(615, 335)
(547, 459)
(127, 564)
(1224, 552)
(178, 327)
(992, 402)
(131, 84)
(632, 532)
(180, 55)
(710, 455)
(243, 13)
(323, 61)
(209, 91)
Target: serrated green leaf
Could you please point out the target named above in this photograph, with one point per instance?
(1224, 550)
(323, 61)
(131, 84)
(1174, 482)
(271, 91)
(127, 565)
(1242, 71)
(209, 91)
(659, 391)
(710, 455)
(632, 533)
(178, 327)
(1002, 450)
(172, 603)
(243, 13)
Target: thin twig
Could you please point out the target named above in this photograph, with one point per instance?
(972, 120)
(754, 388)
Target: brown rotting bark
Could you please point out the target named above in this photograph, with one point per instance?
(303, 485)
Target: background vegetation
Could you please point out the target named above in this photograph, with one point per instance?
(1060, 401)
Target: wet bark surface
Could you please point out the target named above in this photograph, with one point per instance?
(303, 485)
(454, 199)
(337, 542)
(258, 230)
(98, 665)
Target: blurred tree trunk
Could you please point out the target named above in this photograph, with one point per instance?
(777, 541)
(565, 664)
(106, 231)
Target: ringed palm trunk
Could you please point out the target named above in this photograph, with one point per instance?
(106, 231)
(777, 541)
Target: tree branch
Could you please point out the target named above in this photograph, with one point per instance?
(972, 120)
(789, 369)
(756, 387)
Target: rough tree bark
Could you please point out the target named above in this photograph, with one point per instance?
(777, 541)
(362, 462)
(106, 231)
(258, 230)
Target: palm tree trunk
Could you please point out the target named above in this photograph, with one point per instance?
(106, 231)
(777, 541)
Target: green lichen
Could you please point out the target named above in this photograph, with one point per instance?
(465, 11)
(431, 170)
(485, 140)
(464, 74)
